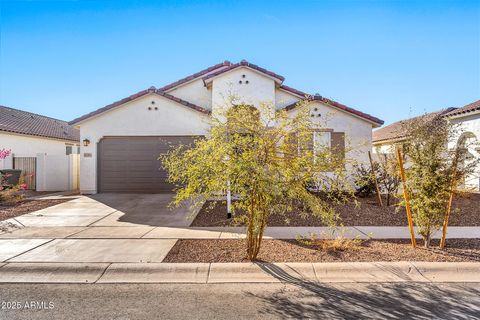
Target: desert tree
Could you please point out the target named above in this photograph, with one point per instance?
(432, 170)
(269, 160)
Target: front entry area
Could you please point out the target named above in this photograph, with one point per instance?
(130, 164)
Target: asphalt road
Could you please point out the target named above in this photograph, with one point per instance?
(241, 301)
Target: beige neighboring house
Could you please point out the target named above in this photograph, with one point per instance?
(45, 149)
(468, 119)
(121, 142)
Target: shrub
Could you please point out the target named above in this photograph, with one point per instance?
(269, 167)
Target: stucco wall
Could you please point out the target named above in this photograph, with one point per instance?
(134, 119)
(358, 133)
(283, 99)
(194, 92)
(29, 146)
(471, 124)
(259, 90)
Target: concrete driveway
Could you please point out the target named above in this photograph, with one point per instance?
(98, 228)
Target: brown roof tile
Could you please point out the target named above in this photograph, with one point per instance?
(329, 102)
(22, 122)
(244, 63)
(474, 106)
(396, 131)
(135, 96)
(226, 63)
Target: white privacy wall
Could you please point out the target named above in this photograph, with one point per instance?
(134, 119)
(57, 172)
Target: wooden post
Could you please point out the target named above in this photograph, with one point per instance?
(406, 197)
(450, 200)
(379, 196)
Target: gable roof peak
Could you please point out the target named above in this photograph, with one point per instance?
(244, 63)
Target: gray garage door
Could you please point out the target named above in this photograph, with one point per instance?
(129, 164)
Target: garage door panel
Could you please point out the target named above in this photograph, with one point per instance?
(130, 164)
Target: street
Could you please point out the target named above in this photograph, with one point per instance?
(241, 301)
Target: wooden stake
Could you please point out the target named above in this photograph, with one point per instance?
(379, 196)
(406, 197)
(449, 206)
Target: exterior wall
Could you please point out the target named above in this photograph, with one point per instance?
(470, 124)
(57, 172)
(283, 99)
(29, 146)
(383, 148)
(53, 169)
(259, 91)
(194, 92)
(134, 119)
(358, 133)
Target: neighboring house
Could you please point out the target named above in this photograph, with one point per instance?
(468, 119)
(385, 139)
(121, 142)
(40, 147)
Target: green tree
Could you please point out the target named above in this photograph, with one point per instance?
(431, 168)
(268, 160)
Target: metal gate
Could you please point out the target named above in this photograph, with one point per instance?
(28, 165)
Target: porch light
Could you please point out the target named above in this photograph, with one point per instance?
(86, 142)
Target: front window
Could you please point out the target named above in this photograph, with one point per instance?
(321, 143)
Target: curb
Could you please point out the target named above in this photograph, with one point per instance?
(337, 272)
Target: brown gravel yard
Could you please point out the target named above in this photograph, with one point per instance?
(365, 213)
(293, 251)
(26, 206)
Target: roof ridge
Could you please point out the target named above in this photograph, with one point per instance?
(33, 113)
(195, 75)
(245, 63)
(318, 97)
(134, 96)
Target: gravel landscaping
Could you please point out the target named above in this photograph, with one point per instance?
(294, 251)
(366, 212)
(27, 206)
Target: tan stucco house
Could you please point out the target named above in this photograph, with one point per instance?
(120, 143)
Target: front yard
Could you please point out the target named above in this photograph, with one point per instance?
(298, 251)
(26, 206)
(365, 213)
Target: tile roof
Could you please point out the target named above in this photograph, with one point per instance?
(135, 96)
(474, 106)
(226, 63)
(244, 63)
(22, 122)
(329, 102)
(396, 131)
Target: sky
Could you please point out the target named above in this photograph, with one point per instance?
(391, 59)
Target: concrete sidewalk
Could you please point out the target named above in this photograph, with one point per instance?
(374, 272)
(19, 231)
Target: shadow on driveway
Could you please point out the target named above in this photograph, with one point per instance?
(143, 210)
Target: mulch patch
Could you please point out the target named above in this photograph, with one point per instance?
(365, 212)
(294, 251)
(27, 206)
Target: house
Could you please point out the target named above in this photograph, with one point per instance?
(40, 146)
(121, 142)
(468, 120)
(385, 138)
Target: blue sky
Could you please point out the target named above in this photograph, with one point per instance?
(391, 59)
